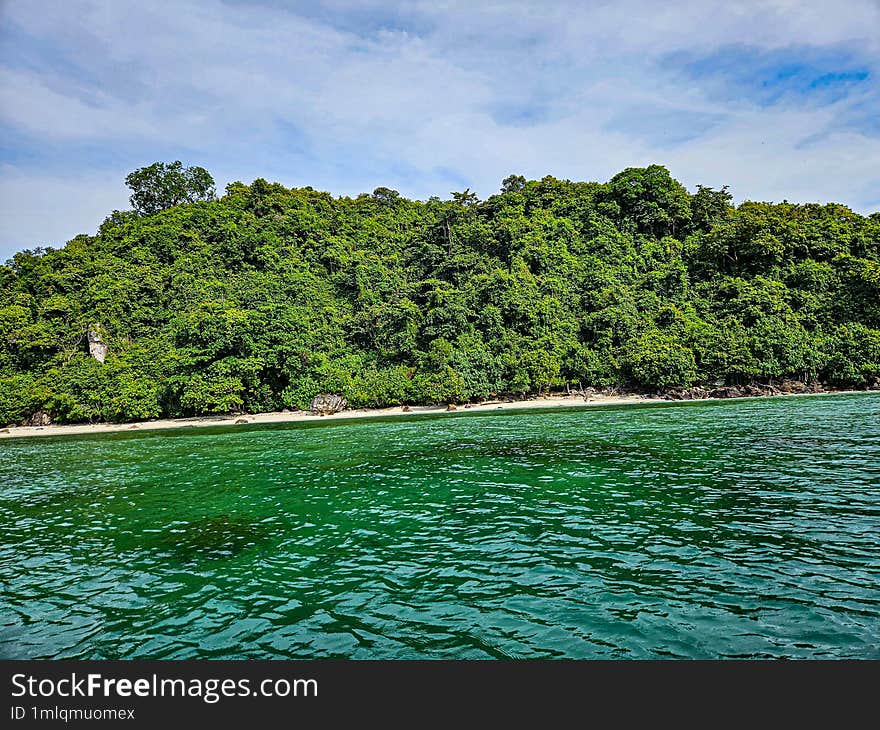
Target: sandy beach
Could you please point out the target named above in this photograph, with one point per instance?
(244, 420)
(78, 429)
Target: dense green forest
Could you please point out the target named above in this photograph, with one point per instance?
(267, 296)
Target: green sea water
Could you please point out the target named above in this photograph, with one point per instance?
(737, 529)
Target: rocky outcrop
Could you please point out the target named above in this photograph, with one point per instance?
(40, 418)
(97, 348)
(752, 390)
(328, 403)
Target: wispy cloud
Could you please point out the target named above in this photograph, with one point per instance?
(777, 99)
(792, 76)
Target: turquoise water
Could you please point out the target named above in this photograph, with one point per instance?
(739, 529)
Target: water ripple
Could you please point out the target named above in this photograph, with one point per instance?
(743, 529)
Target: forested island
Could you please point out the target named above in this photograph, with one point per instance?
(258, 300)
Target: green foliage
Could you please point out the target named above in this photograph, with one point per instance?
(20, 397)
(268, 296)
(216, 390)
(164, 185)
(657, 360)
(651, 199)
(853, 355)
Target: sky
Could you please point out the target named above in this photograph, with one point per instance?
(779, 99)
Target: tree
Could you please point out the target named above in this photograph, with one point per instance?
(466, 198)
(163, 185)
(709, 206)
(658, 360)
(651, 198)
(513, 184)
(272, 295)
(386, 196)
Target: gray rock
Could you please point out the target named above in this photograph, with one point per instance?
(97, 348)
(327, 403)
(40, 418)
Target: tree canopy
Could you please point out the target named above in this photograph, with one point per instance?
(267, 296)
(163, 185)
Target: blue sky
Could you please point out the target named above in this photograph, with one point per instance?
(779, 100)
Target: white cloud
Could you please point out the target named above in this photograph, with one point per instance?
(421, 96)
(29, 104)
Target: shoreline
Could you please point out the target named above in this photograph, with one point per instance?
(553, 401)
